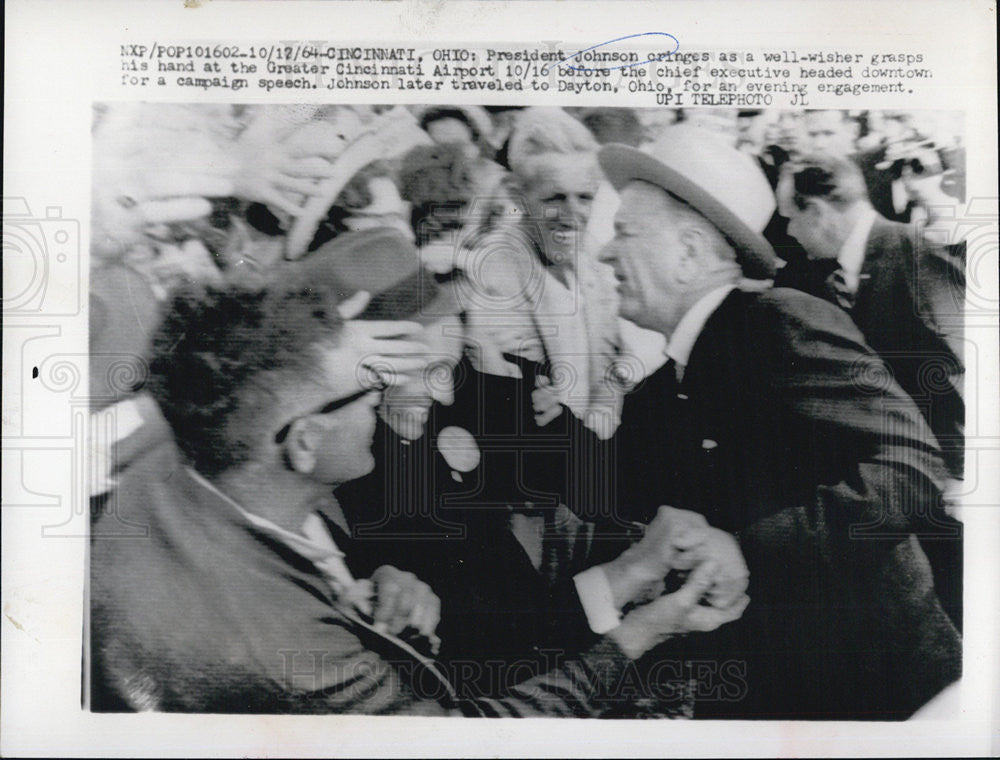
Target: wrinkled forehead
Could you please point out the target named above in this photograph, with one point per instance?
(644, 205)
(451, 126)
(564, 171)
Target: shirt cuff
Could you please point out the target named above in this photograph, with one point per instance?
(595, 597)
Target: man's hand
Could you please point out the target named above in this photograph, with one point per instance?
(676, 614)
(637, 574)
(697, 547)
(392, 351)
(402, 601)
(284, 153)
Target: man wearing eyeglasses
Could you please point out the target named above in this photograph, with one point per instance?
(239, 597)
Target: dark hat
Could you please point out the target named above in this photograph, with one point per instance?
(384, 263)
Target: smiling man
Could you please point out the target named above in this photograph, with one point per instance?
(774, 420)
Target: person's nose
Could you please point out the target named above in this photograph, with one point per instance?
(578, 209)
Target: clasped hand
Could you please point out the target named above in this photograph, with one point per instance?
(713, 594)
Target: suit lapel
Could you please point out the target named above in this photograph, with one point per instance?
(879, 291)
(707, 409)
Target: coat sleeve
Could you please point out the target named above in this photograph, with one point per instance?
(856, 541)
(584, 687)
(829, 381)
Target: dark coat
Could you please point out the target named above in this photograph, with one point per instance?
(787, 432)
(909, 308)
(207, 613)
(452, 529)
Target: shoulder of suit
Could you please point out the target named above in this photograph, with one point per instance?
(907, 247)
(785, 300)
(895, 235)
(794, 308)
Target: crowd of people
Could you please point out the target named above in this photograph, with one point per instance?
(525, 411)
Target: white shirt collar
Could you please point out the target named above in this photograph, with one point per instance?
(852, 253)
(317, 545)
(689, 328)
(314, 542)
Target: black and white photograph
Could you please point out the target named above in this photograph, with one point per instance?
(525, 411)
(500, 378)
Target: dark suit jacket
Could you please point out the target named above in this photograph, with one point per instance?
(909, 309)
(786, 432)
(879, 183)
(207, 613)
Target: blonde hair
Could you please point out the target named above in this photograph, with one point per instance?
(542, 130)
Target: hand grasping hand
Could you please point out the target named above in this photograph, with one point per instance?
(697, 547)
(676, 614)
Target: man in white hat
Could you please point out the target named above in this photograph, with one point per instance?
(775, 421)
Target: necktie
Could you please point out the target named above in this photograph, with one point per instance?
(671, 378)
(841, 290)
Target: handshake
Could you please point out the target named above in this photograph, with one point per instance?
(713, 593)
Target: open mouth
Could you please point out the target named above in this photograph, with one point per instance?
(563, 231)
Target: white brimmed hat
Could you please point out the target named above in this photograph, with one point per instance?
(702, 169)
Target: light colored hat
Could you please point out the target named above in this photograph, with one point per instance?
(701, 168)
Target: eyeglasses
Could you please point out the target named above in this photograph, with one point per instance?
(328, 408)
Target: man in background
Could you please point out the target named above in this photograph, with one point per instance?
(240, 599)
(906, 296)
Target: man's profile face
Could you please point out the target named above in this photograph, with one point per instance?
(785, 132)
(829, 132)
(809, 225)
(343, 446)
(345, 449)
(644, 255)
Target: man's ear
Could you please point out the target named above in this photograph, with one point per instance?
(785, 194)
(696, 254)
(303, 440)
(823, 213)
